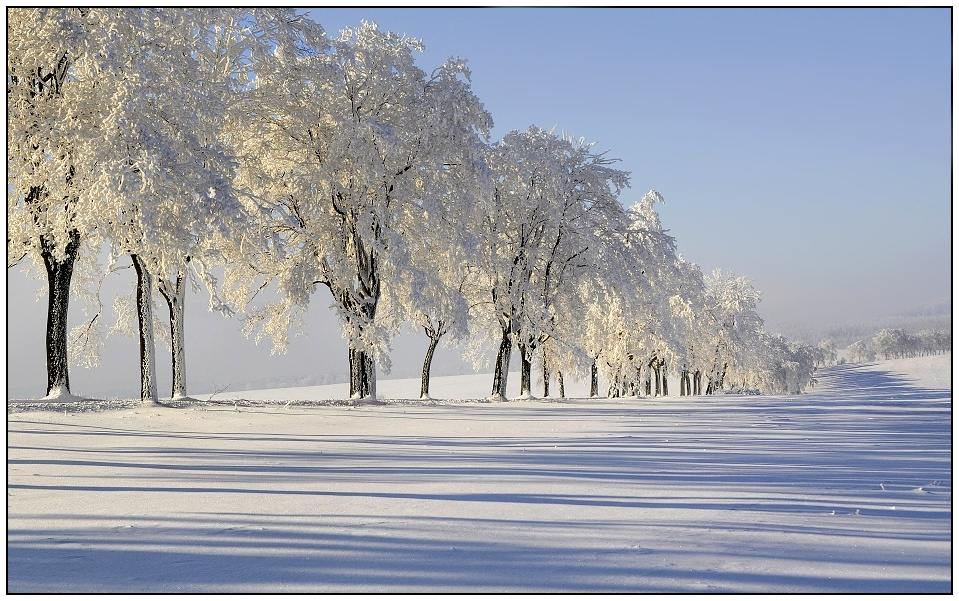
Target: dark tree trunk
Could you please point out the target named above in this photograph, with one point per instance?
(665, 371)
(357, 373)
(656, 376)
(354, 381)
(144, 301)
(526, 370)
(369, 375)
(59, 274)
(175, 297)
(593, 380)
(178, 351)
(425, 380)
(545, 376)
(362, 375)
(562, 387)
(501, 370)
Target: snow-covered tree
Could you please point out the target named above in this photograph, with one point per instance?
(176, 202)
(344, 160)
(828, 352)
(735, 324)
(862, 351)
(431, 294)
(552, 205)
(76, 82)
(891, 342)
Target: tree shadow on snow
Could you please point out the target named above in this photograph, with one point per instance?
(862, 463)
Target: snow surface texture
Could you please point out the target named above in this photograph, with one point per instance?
(847, 488)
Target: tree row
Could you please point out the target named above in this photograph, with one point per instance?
(249, 154)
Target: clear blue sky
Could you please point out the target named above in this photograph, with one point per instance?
(808, 149)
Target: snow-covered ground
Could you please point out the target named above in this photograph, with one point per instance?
(926, 372)
(847, 488)
(473, 386)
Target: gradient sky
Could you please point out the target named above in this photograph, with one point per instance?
(808, 149)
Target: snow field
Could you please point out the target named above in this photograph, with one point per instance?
(845, 489)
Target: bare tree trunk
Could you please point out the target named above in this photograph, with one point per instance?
(593, 380)
(362, 374)
(562, 387)
(354, 383)
(357, 373)
(178, 351)
(427, 362)
(59, 274)
(148, 370)
(369, 375)
(526, 371)
(175, 297)
(665, 385)
(656, 375)
(502, 365)
(545, 376)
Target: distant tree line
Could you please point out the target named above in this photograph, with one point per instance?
(897, 343)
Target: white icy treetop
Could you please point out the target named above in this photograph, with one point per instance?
(113, 118)
(346, 159)
(735, 326)
(644, 294)
(178, 195)
(70, 83)
(551, 209)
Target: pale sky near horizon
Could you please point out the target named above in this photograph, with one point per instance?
(808, 149)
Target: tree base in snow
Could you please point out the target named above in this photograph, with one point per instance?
(60, 395)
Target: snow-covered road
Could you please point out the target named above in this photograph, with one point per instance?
(847, 488)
